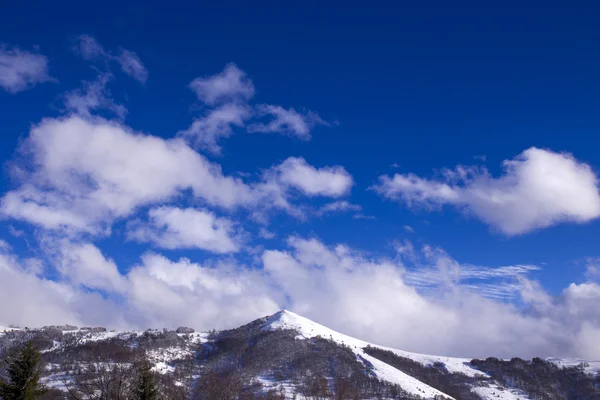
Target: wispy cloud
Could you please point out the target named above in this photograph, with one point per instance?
(93, 96)
(227, 94)
(430, 269)
(286, 121)
(205, 133)
(21, 70)
(338, 207)
(131, 64)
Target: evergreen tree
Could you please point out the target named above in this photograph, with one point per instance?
(145, 386)
(23, 376)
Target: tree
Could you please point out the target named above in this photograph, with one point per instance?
(23, 376)
(98, 380)
(145, 385)
(214, 386)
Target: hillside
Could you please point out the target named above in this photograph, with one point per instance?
(290, 355)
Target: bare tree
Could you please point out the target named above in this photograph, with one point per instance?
(99, 381)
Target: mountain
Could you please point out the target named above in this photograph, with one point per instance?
(287, 354)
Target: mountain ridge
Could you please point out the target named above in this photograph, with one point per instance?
(282, 349)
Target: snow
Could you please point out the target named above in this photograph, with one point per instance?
(591, 367)
(4, 329)
(305, 328)
(287, 387)
(163, 368)
(309, 329)
(494, 392)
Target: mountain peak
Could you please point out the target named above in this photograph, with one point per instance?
(306, 328)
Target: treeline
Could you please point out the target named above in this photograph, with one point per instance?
(539, 379)
(98, 376)
(542, 379)
(22, 380)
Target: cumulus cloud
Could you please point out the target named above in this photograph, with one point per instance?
(82, 174)
(204, 133)
(46, 302)
(230, 85)
(286, 121)
(167, 291)
(372, 299)
(85, 265)
(21, 70)
(350, 291)
(539, 188)
(176, 228)
(327, 181)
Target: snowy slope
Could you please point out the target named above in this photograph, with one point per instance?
(308, 329)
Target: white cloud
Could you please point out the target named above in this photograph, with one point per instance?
(265, 233)
(168, 293)
(46, 302)
(21, 70)
(327, 181)
(84, 264)
(229, 92)
(539, 188)
(132, 65)
(205, 132)
(176, 228)
(4, 246)
(15, 232)
(408, 229)
(230, 85)
(338, 207)
(93, 96)
(89, 48)
(593, 269)
(288, 122)
(82, 174)
(432, 270)
(369, 298)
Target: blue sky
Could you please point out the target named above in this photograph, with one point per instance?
(187, 153)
